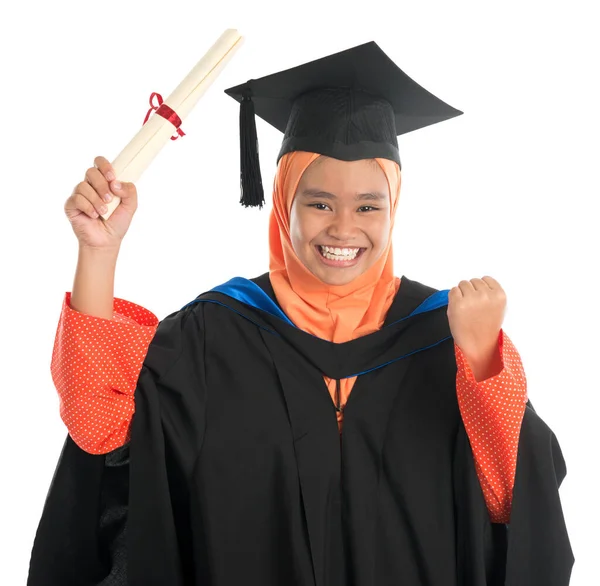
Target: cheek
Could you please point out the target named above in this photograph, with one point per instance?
(297, 230)
(303, 228)
(295, 235)
(380, 232)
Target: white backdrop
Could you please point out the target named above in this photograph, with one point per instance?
(508, 189)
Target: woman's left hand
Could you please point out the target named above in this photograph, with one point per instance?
(475, 314)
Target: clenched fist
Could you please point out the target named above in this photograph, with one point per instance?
(475, 314)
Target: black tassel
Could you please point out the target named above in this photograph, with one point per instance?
(251, 181)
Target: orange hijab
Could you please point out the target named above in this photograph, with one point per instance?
(338, 313)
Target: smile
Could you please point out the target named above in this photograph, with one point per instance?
(343, 257)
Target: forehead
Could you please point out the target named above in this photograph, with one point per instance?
(344, 175)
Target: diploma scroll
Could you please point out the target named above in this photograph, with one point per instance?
(133, 160)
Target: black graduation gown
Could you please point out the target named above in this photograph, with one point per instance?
(236, 474)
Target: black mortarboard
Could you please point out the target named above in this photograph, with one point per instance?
(350, 105)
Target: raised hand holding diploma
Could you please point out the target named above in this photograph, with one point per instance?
(133, 160)
(90, 199)
(475, 315)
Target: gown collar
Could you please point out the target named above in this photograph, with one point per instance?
(416, 321)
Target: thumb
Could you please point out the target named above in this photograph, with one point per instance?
(127, 192)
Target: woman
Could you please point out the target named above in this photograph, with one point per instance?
(325, 423)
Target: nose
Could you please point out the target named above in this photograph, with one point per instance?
(342, 226)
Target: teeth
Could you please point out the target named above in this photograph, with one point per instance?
(339, 253)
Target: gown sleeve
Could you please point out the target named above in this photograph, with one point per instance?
(88, 522)
(492, 411)
(95, 366)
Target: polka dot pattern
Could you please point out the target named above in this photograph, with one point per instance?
(492, 412)
(96, 364)
(95, 367)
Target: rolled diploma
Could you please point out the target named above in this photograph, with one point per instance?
(133, 160)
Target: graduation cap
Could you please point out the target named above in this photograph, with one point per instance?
(350, 105)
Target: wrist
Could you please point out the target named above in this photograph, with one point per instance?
(99, 253)
(485, 365)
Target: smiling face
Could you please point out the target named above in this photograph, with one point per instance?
(340, 218)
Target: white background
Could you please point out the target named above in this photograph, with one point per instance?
(509, 189)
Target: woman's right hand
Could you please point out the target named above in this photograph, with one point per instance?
(85, 205)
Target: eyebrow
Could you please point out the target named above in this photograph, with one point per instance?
(373, 195)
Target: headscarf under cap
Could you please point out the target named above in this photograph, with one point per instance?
(338, 313)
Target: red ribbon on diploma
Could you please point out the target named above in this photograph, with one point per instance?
(166, 112)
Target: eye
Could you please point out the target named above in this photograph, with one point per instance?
(316, 205)
(368, 208)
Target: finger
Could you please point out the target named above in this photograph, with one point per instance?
(492, 283)
(480, 285)
(466, 287)
(86, 191)
(127, 193)
(123, 189)
(79, 204)
(105, 168)
(95, 178)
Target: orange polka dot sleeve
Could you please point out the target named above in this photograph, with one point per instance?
(492, 411)
(95, 367)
